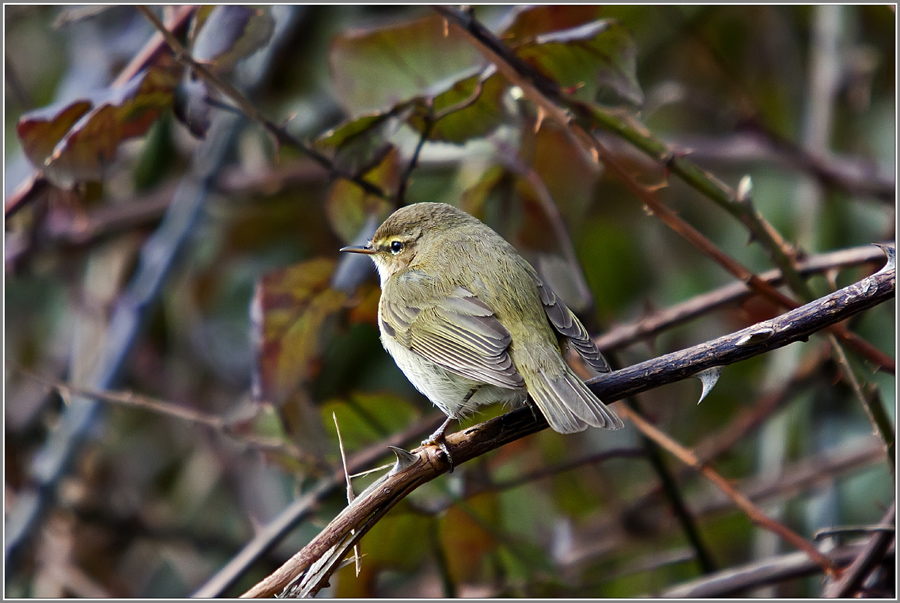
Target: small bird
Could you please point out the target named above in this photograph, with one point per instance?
(469, 322)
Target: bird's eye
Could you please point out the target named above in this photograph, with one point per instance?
(396, 247)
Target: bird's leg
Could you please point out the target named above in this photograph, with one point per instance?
(439, 438)
(531, 408)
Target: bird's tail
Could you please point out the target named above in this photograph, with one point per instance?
(569, 406)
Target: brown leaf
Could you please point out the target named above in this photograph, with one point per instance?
(290, 309)
(74, 142)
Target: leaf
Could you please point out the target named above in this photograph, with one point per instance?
(360, 144)
(531, 21)
(40, 130)
(74, 142)
(590, 60)
(220, 38)
(376, 69)
(231, 33)
(289, 312)
(479, 103)
(348, 206)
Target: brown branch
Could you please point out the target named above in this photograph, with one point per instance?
(428, 462)
(189, 415)
(755, 514)
(272, 533)
(621, 336)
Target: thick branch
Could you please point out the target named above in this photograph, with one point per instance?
(427, 463)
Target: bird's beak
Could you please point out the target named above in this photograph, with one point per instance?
(366, 249)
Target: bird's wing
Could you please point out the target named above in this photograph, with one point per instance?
(457, 331)
(568, 325)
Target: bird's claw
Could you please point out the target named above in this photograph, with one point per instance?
(440, 440)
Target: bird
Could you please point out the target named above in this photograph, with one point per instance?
(470, 323)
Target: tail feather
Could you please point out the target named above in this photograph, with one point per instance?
(569, 406)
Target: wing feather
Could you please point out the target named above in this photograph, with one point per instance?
(458, 331)
(567, 324)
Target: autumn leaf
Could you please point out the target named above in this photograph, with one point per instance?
(290, 309)
(75, 141)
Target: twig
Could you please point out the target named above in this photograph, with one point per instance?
(873, 554)
(675, 498)
(733, 581)
(248, 109)
(756, 143)
(190, 415)
(623, 335)
(350, 494)
(753, 512)
(429, 122)
(428, 462)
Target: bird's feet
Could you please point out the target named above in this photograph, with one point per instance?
(439, 439)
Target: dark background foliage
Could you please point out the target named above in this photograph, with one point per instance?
(251, 338)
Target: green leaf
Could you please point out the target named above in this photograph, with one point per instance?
(473, 108)
(358, 145)
(376, 69)
(590, 60)
(348, 206)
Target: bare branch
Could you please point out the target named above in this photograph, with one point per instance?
(873, 554)
(733, 581)
(753, 512)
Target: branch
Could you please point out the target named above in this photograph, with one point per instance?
(753, 512)
(733, 581)
(274, 531)
(217, 423)
(626, 334)
(874, 553)
(426, 463)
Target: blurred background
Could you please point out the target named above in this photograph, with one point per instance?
(181, 254)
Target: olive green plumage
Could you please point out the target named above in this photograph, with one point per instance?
(469, 322)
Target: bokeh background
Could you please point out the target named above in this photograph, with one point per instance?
(200, 276)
